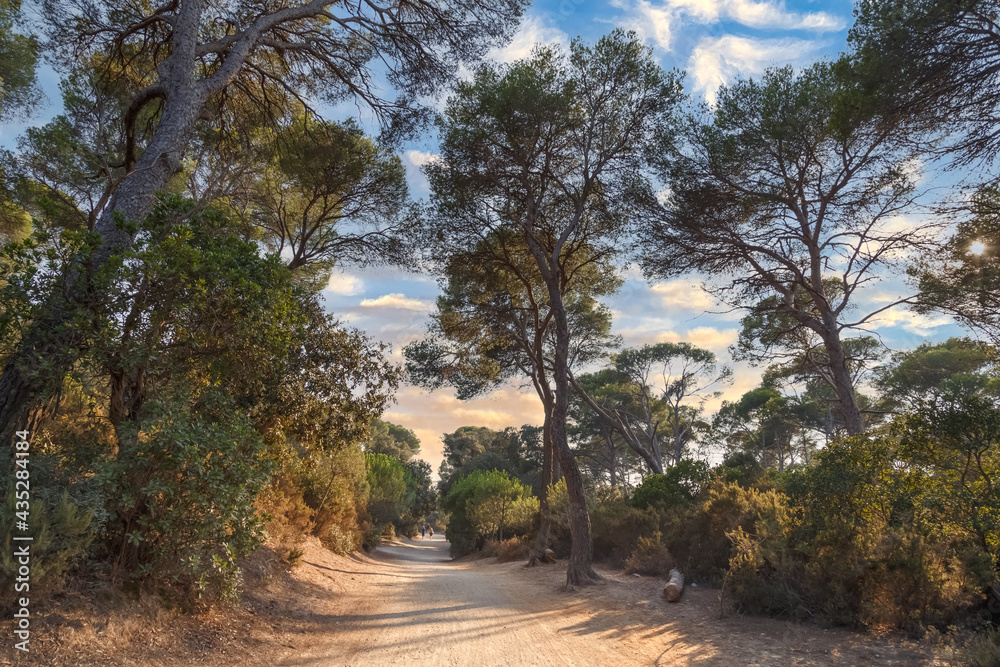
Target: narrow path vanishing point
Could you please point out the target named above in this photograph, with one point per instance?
(410, 604)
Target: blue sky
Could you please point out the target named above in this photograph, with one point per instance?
(713, 41)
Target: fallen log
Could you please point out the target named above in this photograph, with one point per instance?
(675, 586)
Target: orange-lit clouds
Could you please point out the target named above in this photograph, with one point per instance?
(432, 414)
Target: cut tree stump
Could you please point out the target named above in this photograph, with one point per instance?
(550, 556)
(675, 587)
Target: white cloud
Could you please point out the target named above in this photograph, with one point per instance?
(683, 294)
(650, 23)
(655, 21)
(757, 14)
(419, 158)
(716, 60)
(533, 30)
(915, 323)
(709, 338)
(397, 301)
(347, 285)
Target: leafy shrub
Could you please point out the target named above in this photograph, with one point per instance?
(391, 491)
(484, 505)
(183, 491)
(868, 550)
(677, 486)
(289, 518)
(337, 490)
(617, 527)
(61, 535)
(650, 557)
(699, 536)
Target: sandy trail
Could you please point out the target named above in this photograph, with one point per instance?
(411, 605)
(424, 609)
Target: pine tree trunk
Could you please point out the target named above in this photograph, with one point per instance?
(51, 347)
(580, 570)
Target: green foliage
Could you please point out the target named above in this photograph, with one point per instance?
(18, 59)
(394, 440)
(677, 486)
(392, 489)
(650, 557)
(61, 535)
(485, 504)
(183, 489)
(325, 193)
(873, 540)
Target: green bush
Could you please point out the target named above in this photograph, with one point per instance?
(486, 504)
(679, 485)
(861, 546)
(391, 492)
(618, 526)
(183, 492)
(61, 534)
(650, 557)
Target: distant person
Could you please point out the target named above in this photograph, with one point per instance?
(430, 531)
(423, 529)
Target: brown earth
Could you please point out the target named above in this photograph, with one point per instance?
(410, 604)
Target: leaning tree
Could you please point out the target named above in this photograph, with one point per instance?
(187, 62)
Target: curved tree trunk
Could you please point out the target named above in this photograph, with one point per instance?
(843, 385)
(35, 371)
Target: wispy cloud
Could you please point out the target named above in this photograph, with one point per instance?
(915, 323)
(710, 338)
(534, 29)
(398, 301)
(657, 21)
(717, 60)
(683, 293)
(757, 14)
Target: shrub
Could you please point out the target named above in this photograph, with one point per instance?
(288, 517)
(868, 549)
(677, 486)
(61, 534)
(515, 548)
(484, 505)
(699, 537)
(337, 490)
(650, 557)
(618, 526)
(183, 493)
(391, 490)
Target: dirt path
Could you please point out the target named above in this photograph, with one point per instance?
(411, 605)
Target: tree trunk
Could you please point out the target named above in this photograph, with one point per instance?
(544, 533)
(580, 570)
(675, 587)
(51, 346)
(843, 385)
